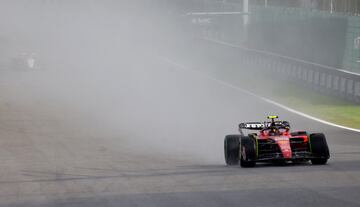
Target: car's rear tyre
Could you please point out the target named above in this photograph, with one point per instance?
(231, 149)
(247, 152)
(319, 149)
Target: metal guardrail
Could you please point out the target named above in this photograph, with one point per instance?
(321, 78)
(327, 80)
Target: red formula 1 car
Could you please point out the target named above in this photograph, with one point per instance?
(274, 143)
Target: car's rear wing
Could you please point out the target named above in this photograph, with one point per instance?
(252, 125)
(261, 125)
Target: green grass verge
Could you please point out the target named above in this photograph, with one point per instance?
(329, 108)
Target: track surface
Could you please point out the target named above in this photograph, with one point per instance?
(156, 139)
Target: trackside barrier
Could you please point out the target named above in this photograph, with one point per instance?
(324, 79)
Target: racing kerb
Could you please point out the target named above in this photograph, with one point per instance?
(324, 79)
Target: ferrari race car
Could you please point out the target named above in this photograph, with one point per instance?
(274, 143)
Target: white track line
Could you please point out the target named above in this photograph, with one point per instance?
(184, 68)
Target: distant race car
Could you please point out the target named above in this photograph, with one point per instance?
(24, 61)
(274, 143)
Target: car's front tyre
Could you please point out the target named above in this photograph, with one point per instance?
(247, 152)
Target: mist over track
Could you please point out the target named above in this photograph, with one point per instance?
(107, 123)
(159, 145)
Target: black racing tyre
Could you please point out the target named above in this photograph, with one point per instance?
(319, 149)
(248, 152)
(231, 149)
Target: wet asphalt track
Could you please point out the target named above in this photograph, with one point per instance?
(159, 145)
